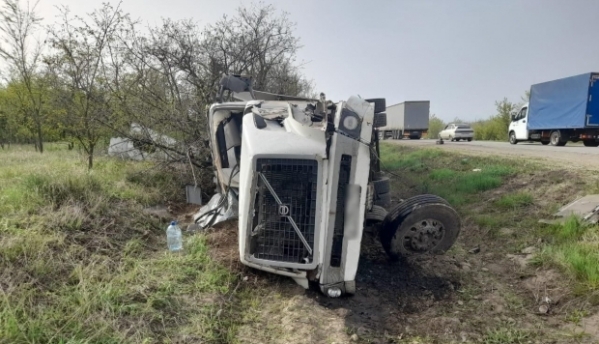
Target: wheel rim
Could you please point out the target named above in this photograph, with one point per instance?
(424, 236)
(512, 138)
(554, 138)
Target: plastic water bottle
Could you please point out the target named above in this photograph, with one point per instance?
(174, 238)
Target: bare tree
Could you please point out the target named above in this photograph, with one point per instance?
(82, 70)
(259, 42)
(18, 24)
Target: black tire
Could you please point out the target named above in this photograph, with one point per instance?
(380, 120)
(590, 143)
(451, 138)
(458, 140)
(377, 214)
(401, 222)
(544, 143)
(556, 139)
(513, 138)
(380, 104)
(383, 200)
(382, 185)
(469, 140)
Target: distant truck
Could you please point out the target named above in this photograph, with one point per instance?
(560, 111)
(408, 119)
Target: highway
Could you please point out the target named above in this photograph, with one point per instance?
(572, 155)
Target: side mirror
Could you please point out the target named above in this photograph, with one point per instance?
(513, 115)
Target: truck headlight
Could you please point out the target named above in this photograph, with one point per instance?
(349, 123)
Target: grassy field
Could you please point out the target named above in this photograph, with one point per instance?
(81, 262)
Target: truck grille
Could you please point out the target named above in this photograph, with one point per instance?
(285, 198)
(338, 230)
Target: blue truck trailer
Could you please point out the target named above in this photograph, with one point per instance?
(560, 111)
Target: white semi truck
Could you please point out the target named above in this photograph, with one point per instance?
(302, 176)
(406, 120)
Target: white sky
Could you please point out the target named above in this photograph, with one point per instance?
(462, 55)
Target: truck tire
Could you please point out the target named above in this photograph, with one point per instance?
(544, 143)
(383, 200)
(556, 139)
(513, 138)
(380, 104)
(590, 143)
(380, 120)
(382, 185)
(377, 214)
(424, 224)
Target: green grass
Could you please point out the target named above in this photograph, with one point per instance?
(81, 263)
(515, 200)
(459, 180)
(574, 248)
(507, 335)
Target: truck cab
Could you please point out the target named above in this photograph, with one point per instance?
(518, 130)
(302, 177)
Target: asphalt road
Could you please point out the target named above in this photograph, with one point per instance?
(572, 155)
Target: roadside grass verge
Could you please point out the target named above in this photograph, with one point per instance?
(80, 262)
(460, 180)
(573, 247)
(504, 199)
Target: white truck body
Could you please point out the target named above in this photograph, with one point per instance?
(305, 184)
(407, 119)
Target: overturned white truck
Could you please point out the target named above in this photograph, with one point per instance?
(302, 176)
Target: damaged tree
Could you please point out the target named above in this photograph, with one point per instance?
(302, 176)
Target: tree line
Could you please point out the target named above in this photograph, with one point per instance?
(83, 79)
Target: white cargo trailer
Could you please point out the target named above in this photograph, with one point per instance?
(408, 119)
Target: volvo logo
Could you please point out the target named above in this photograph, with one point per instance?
(283, 210)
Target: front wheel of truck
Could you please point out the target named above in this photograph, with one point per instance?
(513, 138)
(424, 224)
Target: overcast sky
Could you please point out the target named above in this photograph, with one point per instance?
(462, 55)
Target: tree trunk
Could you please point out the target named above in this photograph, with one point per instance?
(39, 137)
(90, 157)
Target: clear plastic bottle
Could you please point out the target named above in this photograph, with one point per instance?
(174, 237)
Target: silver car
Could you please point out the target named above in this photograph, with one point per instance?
(457, 132)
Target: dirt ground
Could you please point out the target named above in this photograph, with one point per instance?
(484, 290)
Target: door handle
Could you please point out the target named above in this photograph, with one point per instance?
(524, 121)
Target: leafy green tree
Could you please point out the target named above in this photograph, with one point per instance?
(435, 125)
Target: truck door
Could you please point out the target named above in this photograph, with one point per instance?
(520, 126)
(593, 105)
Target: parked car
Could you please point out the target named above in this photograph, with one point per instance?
(457, 132)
